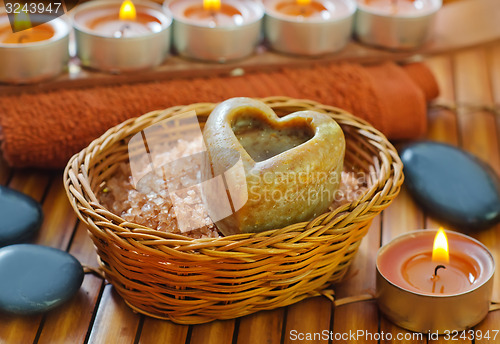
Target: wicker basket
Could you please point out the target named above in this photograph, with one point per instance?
(193, 281)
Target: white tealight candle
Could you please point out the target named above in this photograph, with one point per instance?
(24, 54)
(308, 27)
(215, 30)
(395, 24)
(118, 37)
(399, 7)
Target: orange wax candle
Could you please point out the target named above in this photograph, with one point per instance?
(300, 8)
(141, 18)
(409, 264)
(36, 34)
(458, 276)
(34, 53)
(215, 30)
(111, 24)
(401, 7)
(310, 10)
(429, 281)
(121, 37)
(213, 13)
(201, 13)
(119, 21)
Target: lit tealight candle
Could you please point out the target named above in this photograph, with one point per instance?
(118, 37)
(434, 272)
(124, 23)
(24, 33)
(395, 24)
(214, 13)
(401, 7)
(215, 30)
(308, 27)
(422, 278)
(303, 8)
(24, 53)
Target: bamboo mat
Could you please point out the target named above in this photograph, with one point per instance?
(98, 315)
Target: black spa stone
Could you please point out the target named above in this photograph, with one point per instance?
(36, 278)
(452, 185)
(20, 217)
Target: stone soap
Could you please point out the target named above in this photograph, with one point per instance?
(452, 185)
(268, 172)
(20, 217)
(37, 278)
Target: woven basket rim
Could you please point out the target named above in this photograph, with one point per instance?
(90, 202)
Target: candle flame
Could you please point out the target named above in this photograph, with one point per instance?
(21, 21)
(127, 11)
(303, 2)
(211, 5)
(440, 248)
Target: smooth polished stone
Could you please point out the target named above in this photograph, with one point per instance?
(452, 184)
(37, 278)
(20, 217)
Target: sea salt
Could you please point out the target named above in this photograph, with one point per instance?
(169, 198)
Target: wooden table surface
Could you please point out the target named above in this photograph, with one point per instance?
(97, 314)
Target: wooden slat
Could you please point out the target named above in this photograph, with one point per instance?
(262, 327)
(478, 129)
(21, 329)
(115, 322)
(70, 322)
(216, 332)
(493, 59)
(472, 72)
(59, 217)
(360, 279)
(154, 330)
(489, 325)
(31, 182)
(402, 216)
(449, 340)
(310, 316)
(14, 329)
(443, 127)
(492, 238)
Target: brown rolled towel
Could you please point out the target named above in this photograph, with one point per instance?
(46, 129)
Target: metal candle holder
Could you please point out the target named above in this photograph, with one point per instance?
(394, 31)
(308, 37)
(32, 62)
(423, 312)
(219, 43)
(121, 54)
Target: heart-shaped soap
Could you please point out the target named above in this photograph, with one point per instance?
(276, 171)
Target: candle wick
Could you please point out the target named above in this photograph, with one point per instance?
(213, 14)
(437, 269)
(21, 38)
(121, 32)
